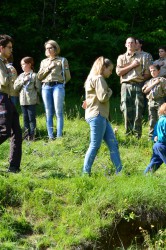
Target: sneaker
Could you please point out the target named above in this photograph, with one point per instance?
(13, 170)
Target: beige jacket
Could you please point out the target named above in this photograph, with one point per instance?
(97, 97)
(29, 90)
(5, 78)
(158, 91)
(13, 73)
(56, 73)
(162, 63)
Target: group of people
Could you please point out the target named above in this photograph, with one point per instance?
(50, 81)
(134, 68)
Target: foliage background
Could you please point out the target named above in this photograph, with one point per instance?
(85, 29)
(35, 205)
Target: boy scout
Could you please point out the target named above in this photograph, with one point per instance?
(162, 61)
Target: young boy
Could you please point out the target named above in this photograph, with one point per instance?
(162, 61)
(155, 90)
(159, 148)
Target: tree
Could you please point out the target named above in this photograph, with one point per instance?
(85, 29)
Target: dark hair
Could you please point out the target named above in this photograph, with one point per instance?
(140, 41)
(162, 47)
(28, 59)
(5, 39)
(107, 62)
(155, 66)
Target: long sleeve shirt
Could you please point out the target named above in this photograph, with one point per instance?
(28, 89)
(97, 97)
(158, 91)
(161, 129)
(162, 63)
(5, 78)
(46, 74)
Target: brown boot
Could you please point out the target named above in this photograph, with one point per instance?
(32, 138)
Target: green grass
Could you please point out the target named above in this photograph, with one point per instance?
(50, 205)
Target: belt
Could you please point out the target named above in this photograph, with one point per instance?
(51, 84)
(134, 83)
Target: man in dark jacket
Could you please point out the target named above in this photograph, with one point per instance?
(9, 118)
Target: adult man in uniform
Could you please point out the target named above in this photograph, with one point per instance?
(133, 72)
(9, 118)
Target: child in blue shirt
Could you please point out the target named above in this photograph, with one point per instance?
(159, 148)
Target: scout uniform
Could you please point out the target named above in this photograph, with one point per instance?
(155, 100)
(132, 98)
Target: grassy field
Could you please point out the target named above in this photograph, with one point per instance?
(50, 205)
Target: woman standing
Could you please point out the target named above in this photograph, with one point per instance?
(54, 73)
(96, 108)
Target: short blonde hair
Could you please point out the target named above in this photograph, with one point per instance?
(53, 44)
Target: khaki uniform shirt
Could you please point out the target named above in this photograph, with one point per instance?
(162, 63)
(147, 57)
(13, 92)
(5, 79)
(55, 74)
(29, 90)
(135, 75)
(97, 97)
(158, 91)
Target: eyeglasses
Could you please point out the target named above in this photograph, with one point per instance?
(9, 47)
(49, 48)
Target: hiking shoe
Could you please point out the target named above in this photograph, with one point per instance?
(13, 170)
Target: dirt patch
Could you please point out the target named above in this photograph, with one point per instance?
(123, 233)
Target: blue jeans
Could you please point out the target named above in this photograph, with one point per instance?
(53, 98)
(158, 157)
(29, 117)
(100, 129)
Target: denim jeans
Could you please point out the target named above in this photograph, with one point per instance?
(53, 98)
(29, 117)
(100, 129)
(158, 157)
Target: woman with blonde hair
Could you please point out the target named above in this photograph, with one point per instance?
(96, 108)
(54, 74)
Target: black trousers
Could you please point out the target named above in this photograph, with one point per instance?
(10, 128)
